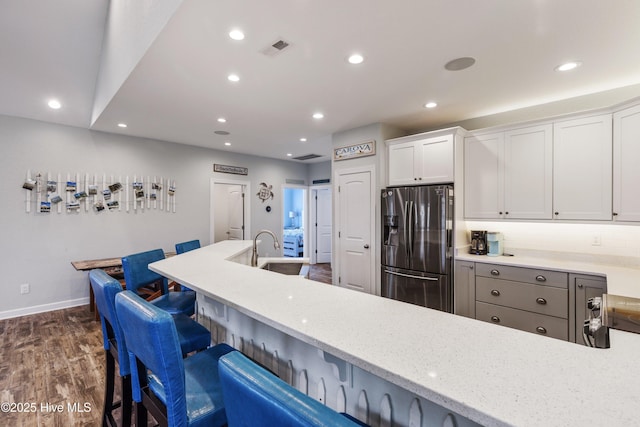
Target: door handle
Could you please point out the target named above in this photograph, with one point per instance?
(366, 246)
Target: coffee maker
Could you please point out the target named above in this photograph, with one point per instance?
(478, 242)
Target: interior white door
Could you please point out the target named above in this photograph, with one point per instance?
(323, 225)
(235, 209)
(355, 232)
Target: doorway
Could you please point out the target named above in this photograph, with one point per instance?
(321, 225)
(229, 211)
(294, 221)
(355, 236)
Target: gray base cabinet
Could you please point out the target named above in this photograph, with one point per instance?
(464, 289)
(544, 302)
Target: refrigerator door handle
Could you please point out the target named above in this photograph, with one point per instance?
(405, 216)
(432, 279)
(410, 226)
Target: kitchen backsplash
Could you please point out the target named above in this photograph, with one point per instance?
(598, 242)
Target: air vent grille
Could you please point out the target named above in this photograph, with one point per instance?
(275, 47)
(307, 157)
(280, 44)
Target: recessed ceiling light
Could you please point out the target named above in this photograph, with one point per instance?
(459, 63)
(227, 144)
(222, 120)
(236, 35)
(303, 139)
(318, 116)
(355, 59)
(289, 154)
(122, 125)
(54, 104)
(567, 66)
(233, 78)
(430, 105)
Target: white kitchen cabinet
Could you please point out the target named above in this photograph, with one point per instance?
(509, 174)
(426, 158)
(484, 176)
(582, 167)
(626, 173)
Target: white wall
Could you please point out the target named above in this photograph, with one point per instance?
(38, 248)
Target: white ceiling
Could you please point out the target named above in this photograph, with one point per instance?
(179, 87)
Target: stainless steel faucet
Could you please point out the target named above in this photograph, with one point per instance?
(254, 255)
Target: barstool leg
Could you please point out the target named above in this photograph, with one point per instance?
(107, 417)
(127, 400)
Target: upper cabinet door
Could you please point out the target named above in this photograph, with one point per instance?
(402, 164)
(626, 176)
(484, 176)
(582, 160)
(434, 161)
(528, 176)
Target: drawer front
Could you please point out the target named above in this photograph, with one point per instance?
(523, 320)
(520, 274)
(539, 299)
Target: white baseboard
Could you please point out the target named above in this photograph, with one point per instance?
(43, 308)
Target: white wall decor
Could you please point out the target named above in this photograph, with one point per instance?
(91, 194)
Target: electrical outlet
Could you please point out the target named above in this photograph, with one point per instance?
(596, 241)
(24, 288)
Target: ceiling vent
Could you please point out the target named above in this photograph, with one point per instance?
(275, 48)
(307, 157)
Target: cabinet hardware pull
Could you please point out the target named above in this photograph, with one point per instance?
(495, 292)
(506, 213)
(500, 213)
(556, 213)
(495, 272)
(541, 278)
(541, 301)
(615, 214)
(541, 330)
(495, 319)
(580, 285)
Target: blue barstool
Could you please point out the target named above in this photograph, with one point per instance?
(186, 247)
(105, 289)
(137, 275)
(191, 335)
(177, 392)
(255, 397)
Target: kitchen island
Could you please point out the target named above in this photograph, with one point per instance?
(480, 373)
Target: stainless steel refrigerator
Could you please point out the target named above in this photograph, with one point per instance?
(417, 228)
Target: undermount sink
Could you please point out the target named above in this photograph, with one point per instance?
(289, 268)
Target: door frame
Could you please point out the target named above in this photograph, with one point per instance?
(313, 241)
(247, 205)
(305, 205)
(335, 260)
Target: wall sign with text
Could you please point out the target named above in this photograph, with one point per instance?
(357, 150)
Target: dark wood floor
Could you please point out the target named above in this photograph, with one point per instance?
(56, 358)
(320, 273)
(51, 359)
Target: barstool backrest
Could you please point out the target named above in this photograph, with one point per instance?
(255, 397)
(187, 246)
(152, 340)
(137, 273)
(105, 289)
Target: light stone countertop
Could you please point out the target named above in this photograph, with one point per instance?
(492, 375)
